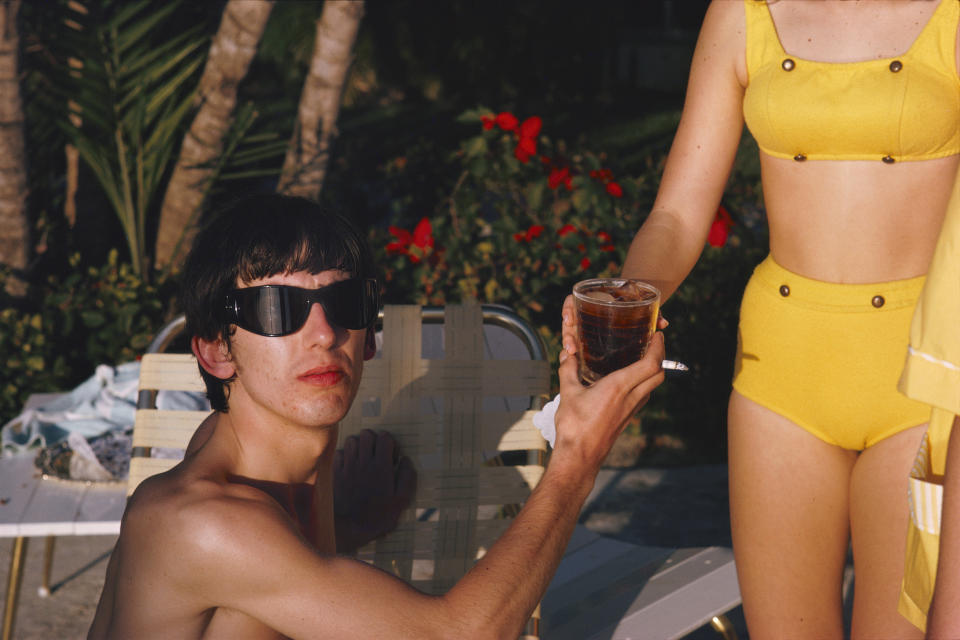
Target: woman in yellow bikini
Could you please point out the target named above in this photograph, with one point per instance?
(855, 106)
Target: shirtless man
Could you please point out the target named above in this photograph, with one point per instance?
(239, 540)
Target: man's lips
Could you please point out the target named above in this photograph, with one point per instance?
(322, 376)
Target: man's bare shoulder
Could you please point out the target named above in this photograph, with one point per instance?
(199, 510)
(188, 546)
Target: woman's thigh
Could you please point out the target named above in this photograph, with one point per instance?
(789, 505)
(878, 517)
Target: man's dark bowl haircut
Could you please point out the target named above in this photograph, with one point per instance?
(256, 237)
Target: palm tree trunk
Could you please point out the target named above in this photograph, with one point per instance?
(305, 165)
(14, 228)
(231, 51)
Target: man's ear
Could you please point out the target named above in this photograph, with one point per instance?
(214, 357)
(370, 345)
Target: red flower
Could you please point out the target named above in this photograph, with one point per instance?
(608, 248)
(568, 183)
(614, 189)
(507, 121)
(402, 241)
(423, 234)
(531, 127)
(565, 229)
(402, 235)
(558, 177)
(594, 174)
(720, 229)
(488, 121)
(521, 155)
(603, 236)
(520, 237)
(585, 264)
(534, 231)
(529, 146)
(414, 245)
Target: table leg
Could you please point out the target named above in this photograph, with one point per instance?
(17, 557)
(44, 589)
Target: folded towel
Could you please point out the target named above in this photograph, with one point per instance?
(85, 434)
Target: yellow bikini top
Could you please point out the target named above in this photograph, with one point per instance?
(895, 109)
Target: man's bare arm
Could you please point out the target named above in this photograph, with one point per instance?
(266, 570)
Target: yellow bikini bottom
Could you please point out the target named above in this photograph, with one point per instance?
(828, 356)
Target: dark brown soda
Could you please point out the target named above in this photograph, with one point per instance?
(612, 338)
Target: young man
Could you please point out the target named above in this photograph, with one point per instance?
(239, 540)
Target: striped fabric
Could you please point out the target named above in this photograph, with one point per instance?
(926, 494)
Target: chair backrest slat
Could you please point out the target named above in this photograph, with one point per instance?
(170, 372)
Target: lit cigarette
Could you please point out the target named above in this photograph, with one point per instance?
(674, 365)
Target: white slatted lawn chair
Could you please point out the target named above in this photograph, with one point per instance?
(454, 410)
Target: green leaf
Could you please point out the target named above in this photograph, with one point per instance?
(137, 19)
(479, 166)
(476, 146)
(490, 289)
(581, 200)
(471, 116)
(534, 194)
(92, 319)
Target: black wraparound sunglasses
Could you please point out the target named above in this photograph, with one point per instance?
(279, 310)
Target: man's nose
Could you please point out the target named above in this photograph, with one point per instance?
(319, 329)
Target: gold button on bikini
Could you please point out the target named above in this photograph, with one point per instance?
(799, 157)
(888, 159)
(788, 64)
(784, 290)
(877, 301)
(895, 66)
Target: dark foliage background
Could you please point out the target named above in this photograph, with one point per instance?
(607, 81)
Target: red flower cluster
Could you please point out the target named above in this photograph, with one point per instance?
(414, 245)
(605, 176)
(526, 132)
(602, 236)
(720, 228)
(533, 232)
(560, 176)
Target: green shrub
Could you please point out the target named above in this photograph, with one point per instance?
(528, 216)
(54, 337)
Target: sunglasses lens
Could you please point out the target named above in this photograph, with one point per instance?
(277, 310)
(270, 310)
(351, 304)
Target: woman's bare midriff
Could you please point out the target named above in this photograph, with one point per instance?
(855, 221)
